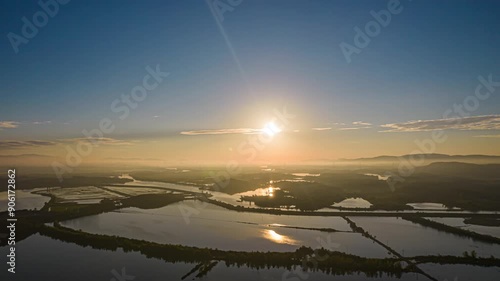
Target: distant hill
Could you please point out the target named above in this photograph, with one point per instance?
(462, 170)
(425, 158)
(12, 161)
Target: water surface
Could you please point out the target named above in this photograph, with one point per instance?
(214, 227)
(462, 272)
(25, 200)
(410, 239)
(353, 203)
(43, 258)
(459, 222)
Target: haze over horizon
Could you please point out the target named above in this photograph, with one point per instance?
(216, 83)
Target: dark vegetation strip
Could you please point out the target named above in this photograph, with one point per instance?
(335, 263)
(466, 260)
(454, 230)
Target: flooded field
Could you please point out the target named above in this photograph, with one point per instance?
(134, 191)
(84, 194)
(216, 227)
(164, 185)
(353, 203)
(430, 206)
(194, 223)
(110, 265)
(462, 272)
(411, 239)
(77, 263)
(459, 222)
(198, 224)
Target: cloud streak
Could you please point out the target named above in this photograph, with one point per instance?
(353, 128)
(10, 144)
(23, 144)
(41, 122)
(99, 141)
(15, 124)
(488, 136)
(356, 125)
(361, 123)
(484, 122)
(8, 124)
(245, 131)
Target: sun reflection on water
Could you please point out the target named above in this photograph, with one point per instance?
(270, 191)
(278, 238)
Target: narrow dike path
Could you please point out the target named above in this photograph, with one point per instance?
(365, 233)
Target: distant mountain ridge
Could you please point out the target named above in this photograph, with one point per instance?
(459, 169)
(428, 158)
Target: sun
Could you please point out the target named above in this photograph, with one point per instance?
(271, 129)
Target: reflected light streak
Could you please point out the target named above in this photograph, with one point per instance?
(278, 238)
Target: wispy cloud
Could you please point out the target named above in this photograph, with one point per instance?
(487, 136)
(353, 128)
(356, 125)
(132, 159)
(361, 123)
(24, 144)
(15, 124)
(485, 122)
(99, 141)
(7, 144)
(8, 124)
(321, 129)
(223, 131)
(41, 122)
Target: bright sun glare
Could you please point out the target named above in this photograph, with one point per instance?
(271, 129)
(270, 192)
(278, 238)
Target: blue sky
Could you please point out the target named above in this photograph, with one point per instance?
(424, 61)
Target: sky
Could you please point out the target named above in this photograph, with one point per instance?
(220, 74)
